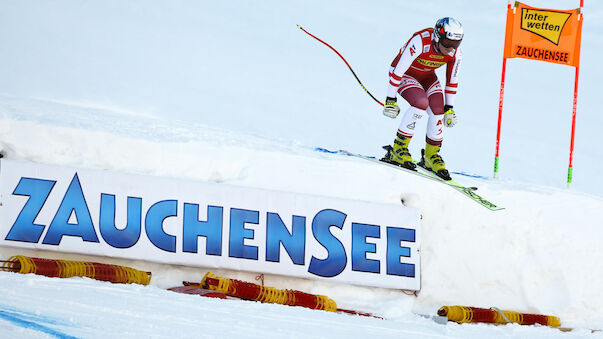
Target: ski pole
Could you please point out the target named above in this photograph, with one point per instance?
(344, 60)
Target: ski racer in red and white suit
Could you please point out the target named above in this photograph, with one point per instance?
(412, 75)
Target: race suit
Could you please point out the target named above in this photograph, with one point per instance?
(412, 75)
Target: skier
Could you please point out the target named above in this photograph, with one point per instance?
(412, 75)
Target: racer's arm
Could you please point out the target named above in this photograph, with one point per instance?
(452, 78)
(402, 62)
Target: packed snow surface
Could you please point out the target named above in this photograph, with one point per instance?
(232, 92)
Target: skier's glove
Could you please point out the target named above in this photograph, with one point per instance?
(391, 109)
(449, 116)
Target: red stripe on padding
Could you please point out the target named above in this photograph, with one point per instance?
(404, 134)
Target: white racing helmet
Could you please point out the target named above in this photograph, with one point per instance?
(449, 32)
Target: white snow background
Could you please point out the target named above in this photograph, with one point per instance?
(234, 92)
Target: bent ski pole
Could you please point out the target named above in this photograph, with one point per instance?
(342, 58)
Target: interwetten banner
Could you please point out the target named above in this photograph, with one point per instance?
(548, 35)
(543, 34)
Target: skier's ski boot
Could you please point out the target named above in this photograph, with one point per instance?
(431, 160)
(399, 154)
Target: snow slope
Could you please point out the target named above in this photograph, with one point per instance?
(539, 255)
(235, 93)
(244, 66)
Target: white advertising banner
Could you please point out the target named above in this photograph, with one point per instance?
(209, 225)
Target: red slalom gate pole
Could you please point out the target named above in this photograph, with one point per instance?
(500, 109)
(344, 60)
(502, 93)
(570, 168)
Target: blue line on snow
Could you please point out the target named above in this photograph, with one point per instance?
(477, 176)
(21, 320)
(324, 150)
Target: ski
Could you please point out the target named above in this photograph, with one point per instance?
(465, 174)
(467, 191)
(373, 159)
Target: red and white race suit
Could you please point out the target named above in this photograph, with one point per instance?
(412, 75)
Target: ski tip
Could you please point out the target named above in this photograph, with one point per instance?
(344, 152)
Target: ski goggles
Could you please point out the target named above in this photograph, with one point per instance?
(450, 43)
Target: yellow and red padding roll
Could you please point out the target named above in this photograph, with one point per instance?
(68, 268)
(250, 291)
(467, 314)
